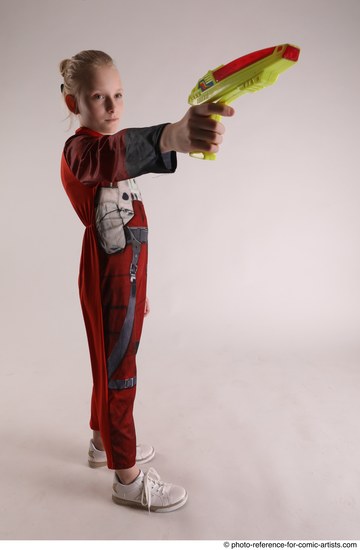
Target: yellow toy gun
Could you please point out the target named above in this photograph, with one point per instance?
(249, 73)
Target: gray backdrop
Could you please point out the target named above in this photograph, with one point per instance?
(254, 263)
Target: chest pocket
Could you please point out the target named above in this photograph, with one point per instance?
(114, 209)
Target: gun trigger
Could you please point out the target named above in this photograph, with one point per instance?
(216, 117)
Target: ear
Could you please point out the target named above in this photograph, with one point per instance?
(70, 101)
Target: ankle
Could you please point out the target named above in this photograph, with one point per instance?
(97, 441)
(126, 477)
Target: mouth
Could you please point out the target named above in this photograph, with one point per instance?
(111, 119)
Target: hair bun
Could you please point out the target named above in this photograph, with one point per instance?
(63, 66)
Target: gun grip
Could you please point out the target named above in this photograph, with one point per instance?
(202, 155)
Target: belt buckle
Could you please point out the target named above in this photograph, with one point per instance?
(133, 270)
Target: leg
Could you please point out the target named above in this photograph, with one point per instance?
(98, 441)
(127, 475)
(115, 406)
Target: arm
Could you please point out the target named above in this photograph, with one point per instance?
(135, 151)
(126, 154)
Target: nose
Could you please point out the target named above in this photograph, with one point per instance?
(110, 106)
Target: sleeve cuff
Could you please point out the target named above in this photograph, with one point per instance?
(170, 160)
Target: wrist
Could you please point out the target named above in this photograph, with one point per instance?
(165, 139)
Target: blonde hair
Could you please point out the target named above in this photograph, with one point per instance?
(73, 70)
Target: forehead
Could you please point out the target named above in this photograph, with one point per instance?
(103, 77)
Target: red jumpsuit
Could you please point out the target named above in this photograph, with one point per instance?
(97, 172)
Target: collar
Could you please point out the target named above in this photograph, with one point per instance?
(83, 130)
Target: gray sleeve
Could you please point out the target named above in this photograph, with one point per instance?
(143, 153)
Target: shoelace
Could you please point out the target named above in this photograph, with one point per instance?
(151, 478)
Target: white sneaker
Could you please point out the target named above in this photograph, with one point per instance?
(148, 491)
(96, 458)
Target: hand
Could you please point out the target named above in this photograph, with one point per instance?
(147, 307)
(196, 131)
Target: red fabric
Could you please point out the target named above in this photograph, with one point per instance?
(104, 287)
(97, 161)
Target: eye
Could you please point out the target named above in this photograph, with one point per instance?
(98, 96)
(119, 95)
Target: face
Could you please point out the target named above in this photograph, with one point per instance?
(100, 102)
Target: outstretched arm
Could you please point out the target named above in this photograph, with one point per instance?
(95, 158)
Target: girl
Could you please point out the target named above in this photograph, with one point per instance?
(97, 169)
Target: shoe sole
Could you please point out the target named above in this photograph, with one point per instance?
(146, 459)
(94, 464)
(161, 509)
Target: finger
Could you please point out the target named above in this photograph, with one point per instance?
(204, 147)
(199, 134)
(206, 109)
(206, 124)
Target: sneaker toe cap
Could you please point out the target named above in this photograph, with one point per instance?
(177, 494)
(144, 452)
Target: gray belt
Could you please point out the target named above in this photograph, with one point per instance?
(135, 236)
